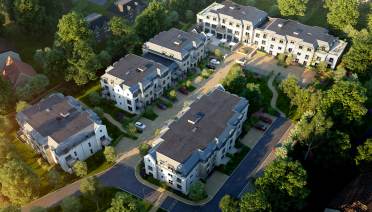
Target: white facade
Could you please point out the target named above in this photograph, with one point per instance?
(134, 97)
(79, 143)
(202, 161)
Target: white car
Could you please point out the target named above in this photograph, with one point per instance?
(140, 126)
(215, 61)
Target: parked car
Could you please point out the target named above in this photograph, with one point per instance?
(183, 90)
(260, 126)
(140, 126)
(161, 106)
(214, 61)
(211, 66)
(242, 61)
(266, 119)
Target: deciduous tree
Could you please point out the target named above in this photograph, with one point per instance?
(342, 13)
(80, 168)
(292, 7)
(124, 202)
(197, 191)
(227, 204)
(110, 154)
(359, 58)
(6, 96)
(71, 203)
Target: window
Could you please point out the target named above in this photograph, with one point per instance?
(170, 182)
(207, 17)
(292, 42)
(271, 46)
(290, 50)
(281, 41)
(263, 42)
(236, 32)
(200, 20)
(306, 57)
(179, 180)
(238, 25)
(129, 102)
(130, 108)
(256, 42)
(90, 145)
(149, 168)
(298, 53)
(170, 175)
(300, 47)
(179, 186)
(247, 33)
(91, 151)
(309, 49)
(75, 153)
(223, 20)
(230, 23)
(248, 27)
(280, 48)
(214, 19)
(273, 39)
(265, 35)
(257, 35)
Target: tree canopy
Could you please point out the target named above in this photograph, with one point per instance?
(6, 95)
(292, 7)
(125, 202)
(359, 58)
(342, 13)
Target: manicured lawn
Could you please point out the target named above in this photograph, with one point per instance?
(150, 114)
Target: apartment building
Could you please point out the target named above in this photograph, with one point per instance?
(62, 130)
(184, 48)
(309, 45)
(198, 141)
(230, 21)
(134, 82)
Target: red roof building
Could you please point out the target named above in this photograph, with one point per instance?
(17, 72)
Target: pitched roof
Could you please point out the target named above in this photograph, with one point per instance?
(57, 117)
(309, 34)
(210, 115)
(241, 12)
(133, 69)
(17, 72)
(177, 40)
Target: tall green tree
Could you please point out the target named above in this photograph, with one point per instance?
(18, 182)
(52, 61)
(80, 168)
(124, 202)
(152, 20)
(292, 7)
(254, 201)
(359, 58)
(235, 80)
(364, 156)
(110, 154)
(227, 204)
(342, 13)
(197, 191)
(34, 86)
(6, 96)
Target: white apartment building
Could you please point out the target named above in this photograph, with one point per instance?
(198, 141)
(309, 45)
(134, 82)
(230, 21)
(62, 131)
(184, 48)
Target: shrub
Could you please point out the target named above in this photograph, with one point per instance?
(150, 114)
(188, 83)
(99, 111)
(144, 148)
(172, 94)
(218, 53)
(110, 154)
(131, 129)
(197, 191)
(80, 168)
(281, 59)
(206, 73)
(289, 60)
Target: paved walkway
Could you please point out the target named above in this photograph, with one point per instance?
(275, 95)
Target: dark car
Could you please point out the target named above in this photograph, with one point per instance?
(266, 119)
(261, 127)
(161, 106)
(183, 90)
(211, 66)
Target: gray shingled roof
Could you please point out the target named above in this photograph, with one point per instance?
(241, 12)
(309, 34)
(177, 40)
(183, 138)
(47, 119)
(134, 69)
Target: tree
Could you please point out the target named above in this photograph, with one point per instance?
(21, 105)
(322, 66)
(52, 60)
(227, 204)
(173, 94)
(10, 208)
(99, 111)
(122, 39)
(254, 201)
(89, 186)
(253, 94)
(144, 148)
(289, 59)
(189, 14)
(110, 154)
(6, 98)
(370, 22)
(342, 13)
(152, 20)
(235, 80)
(292, 7)
(359, 58)
(364, 155)
(125, 202)
(18, 182)
(73, 28)
(197, 191)
(54, 178)
(345, 101)
(71, 203)
(80, 168)
(33, 86)
(283, 185)
(2, 22)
